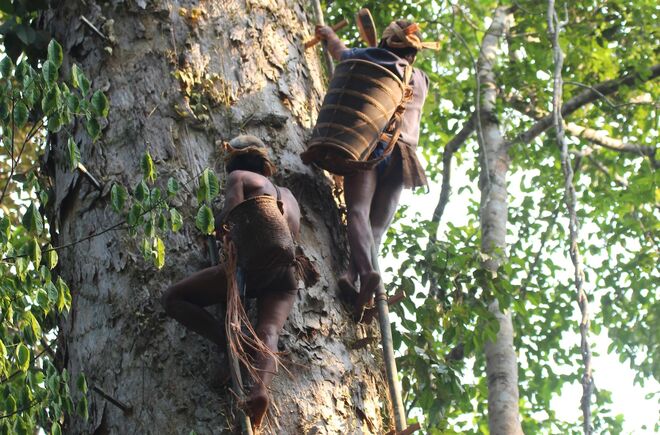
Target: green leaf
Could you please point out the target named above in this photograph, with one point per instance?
(172, 186)
(55, 123)
(79, 80)
(74, 154)
(32, 94)
(177, 221)
(208, 187)
(55, 52)
(146, 248)
(51, 292)
(72, 103)
(32, 220)
(51, 257)
(5, 231)
(21, 264)
(20, 114)
(118, 197)
(159, 253)
(81, 383)
(100, 105)
(141, 191)
(135, 215)
(204, 220)
(81, 408)
(26, 34)
(6, 67)
(150, 227)
(4, 110)
(22, 357)
(23, 73)
(34, 324)
(93, 128)
(148, 169)
(49, 72)
(64, 295)
(51, 101)
(35, 251)
(162, 222)
(55, 429)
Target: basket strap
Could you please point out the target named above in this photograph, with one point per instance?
(280, 204)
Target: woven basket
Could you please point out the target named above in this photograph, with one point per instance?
(361, 100)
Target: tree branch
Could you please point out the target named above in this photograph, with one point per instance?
(592, 94)
(450, 148)
(599, 138)
(594, 136)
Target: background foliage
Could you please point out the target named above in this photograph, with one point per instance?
(442, 332)
(441, 337)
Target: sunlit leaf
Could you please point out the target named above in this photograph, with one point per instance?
(159, 253)
(32, 220)
(81, 383)
(49, 72)
(204, 220)
(22, 357)
(35, 251)
(148, 168)
(118, 197)
(55, 53)
(176, 220)
(74, 154)
(100, 104)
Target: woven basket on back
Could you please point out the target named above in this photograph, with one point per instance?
(361, 100)
(261, 234)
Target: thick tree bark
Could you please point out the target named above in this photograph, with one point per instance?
(244, 61)
(501, 366)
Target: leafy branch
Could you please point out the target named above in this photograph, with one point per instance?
(591, 95)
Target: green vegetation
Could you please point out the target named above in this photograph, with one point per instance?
(444, 321)
(617, 193)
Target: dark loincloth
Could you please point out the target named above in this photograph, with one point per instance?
(405, 165)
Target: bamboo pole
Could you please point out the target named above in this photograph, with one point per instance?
(388, 348)
(326, 55)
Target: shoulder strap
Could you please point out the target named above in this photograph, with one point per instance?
(280, 204)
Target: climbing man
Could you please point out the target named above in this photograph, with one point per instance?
(262, 221)
(372, 195)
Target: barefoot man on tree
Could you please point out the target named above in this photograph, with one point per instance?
(372, 195)
(262, 221)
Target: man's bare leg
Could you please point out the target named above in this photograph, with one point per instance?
(185, 302)
(385, 201)
(359, 190)
(273, 308)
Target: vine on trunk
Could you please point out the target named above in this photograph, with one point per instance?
(554, 28)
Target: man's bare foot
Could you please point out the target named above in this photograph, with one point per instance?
(257, 405)
(368, 288)
(347, 291)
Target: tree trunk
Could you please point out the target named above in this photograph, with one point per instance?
(501, 366)
(243, 70)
